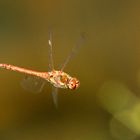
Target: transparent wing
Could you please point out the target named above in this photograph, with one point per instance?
(74, 50)
(55, 96)
(51, 67)
(51, 63)
(33, 84)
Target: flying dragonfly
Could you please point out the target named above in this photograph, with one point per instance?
(58, 78)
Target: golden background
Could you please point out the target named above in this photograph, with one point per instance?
(106, 106)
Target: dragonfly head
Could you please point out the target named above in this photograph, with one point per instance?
(66, 81)
(73, 83)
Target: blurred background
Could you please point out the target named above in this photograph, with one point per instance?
(107, 104)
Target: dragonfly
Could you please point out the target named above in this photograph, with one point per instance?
(57, 78)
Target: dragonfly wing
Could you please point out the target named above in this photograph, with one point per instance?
(33, 84)
(51, 63)
(55, 96)
(74, 50)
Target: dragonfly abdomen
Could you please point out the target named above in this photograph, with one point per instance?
(43, 75)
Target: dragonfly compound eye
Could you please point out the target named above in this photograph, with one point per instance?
(73, 83)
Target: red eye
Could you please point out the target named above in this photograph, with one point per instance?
(73, 83)
(73, 86)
